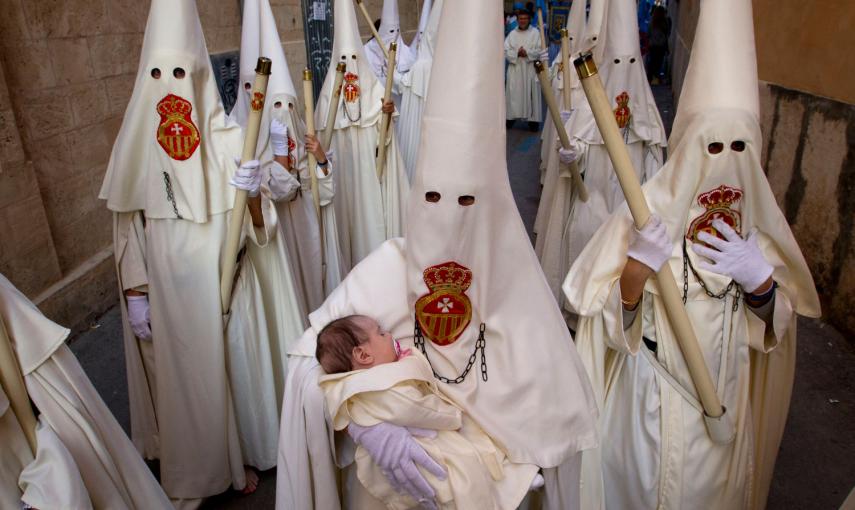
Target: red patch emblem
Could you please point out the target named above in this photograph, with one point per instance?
(257, 102)
(717, 203)
(445, 312)
(622, 112)
(351, 87)
(177, 134)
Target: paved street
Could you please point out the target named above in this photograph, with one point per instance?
(816, 465)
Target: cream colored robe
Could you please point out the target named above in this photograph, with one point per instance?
(84, 459)
(405, 393)
(522, 90)
(182, 410)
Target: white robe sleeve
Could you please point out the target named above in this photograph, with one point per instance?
(52, 480)
(624, 340)
(282, 185)
(132, 265)
(510, 50)
(326, 184)
(765, 337)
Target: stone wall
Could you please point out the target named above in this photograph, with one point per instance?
(66, 73)
(808, 139)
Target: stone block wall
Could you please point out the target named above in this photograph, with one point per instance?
(808, 125)
(66, 74)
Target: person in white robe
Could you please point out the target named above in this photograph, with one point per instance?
(571, 222)
(414, 86)
(316, 262)
(171, 184)
(463, 284)
(390, 31)
(83, 458)
(717, 227)
(369, 209)
(522, 90)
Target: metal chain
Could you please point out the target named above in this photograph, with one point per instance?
(170, 196)
(480, 344)
(687, 264)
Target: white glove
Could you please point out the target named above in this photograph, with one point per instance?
(734, 257)
(139, 316)
(395, 451)
(650, 245)
(544, 56)
(567, 156)
(278, 138)
(248, 177)
(565, 115)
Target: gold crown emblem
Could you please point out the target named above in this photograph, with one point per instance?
(723, 196)
(449, 276)
(622, 112)
(174, 106)
(351, 77)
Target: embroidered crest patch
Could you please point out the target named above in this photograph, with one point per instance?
(622, 112)
(718, 204)
(445, 312)
(257, 102)
(177, 134)
(351, 87)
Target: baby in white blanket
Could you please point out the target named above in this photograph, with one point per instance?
(373, 381)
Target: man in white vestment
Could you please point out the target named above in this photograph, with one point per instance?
(315, 262)
(369, 208)
(83, 459)
(717, 227)
(414, 85)
(571, 222)
(464, 288)
(171, 183)
(522, 90)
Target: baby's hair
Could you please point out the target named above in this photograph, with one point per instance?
(336, 343)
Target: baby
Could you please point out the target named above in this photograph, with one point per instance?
(372, 380)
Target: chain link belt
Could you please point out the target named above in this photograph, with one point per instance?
(480, 344)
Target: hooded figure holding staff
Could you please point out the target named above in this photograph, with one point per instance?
(464, 288)
(171, 184)
(390, 31)
(744, 280)
(368, 209)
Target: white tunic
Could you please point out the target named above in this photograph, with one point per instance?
(522, 90)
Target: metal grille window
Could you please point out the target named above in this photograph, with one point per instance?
(318, 26)
(227, 74)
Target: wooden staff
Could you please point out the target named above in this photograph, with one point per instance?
(386, 120)
(308, 97)
(12, 382)
(371, 26)
(551, 104)
(540, 27)
(667, 285)
(566, 74)
(258, 96)
(335, 97)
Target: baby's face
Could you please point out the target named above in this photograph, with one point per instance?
(382, 346)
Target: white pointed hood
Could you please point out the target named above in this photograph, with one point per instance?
(260, 38)
(593, 27)
(698, 184)
(423, 23)
(621, 69)
(360, 101)
(576, 25)
(722, 72)
(390, 22)
(418, 78)
(173, 154)
(469, 265)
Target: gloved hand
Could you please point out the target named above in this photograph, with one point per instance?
(139, 316)
(278, 138)
(565, 115)
(248, 177)
(734, 257)
(544, 56)
(567, 156)
(650, 245)
(395, 451)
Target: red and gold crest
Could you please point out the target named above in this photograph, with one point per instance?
(622, 112)
(257, 102)
(351, 87)
(176, 133)
(445, 312)
(717, 203)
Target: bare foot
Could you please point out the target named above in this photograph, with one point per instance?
(251, 480)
